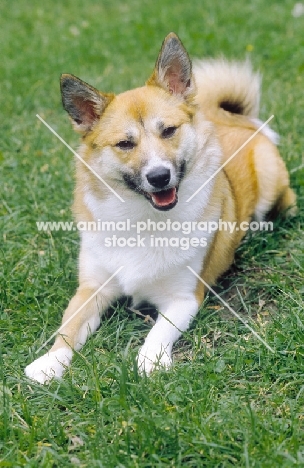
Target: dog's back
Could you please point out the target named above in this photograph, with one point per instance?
(229, 94)
(179, 138)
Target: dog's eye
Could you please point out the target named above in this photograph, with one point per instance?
(125, 145)
(168, 132)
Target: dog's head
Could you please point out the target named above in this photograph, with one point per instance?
(141, 138)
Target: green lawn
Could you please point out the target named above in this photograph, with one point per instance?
(228, 401)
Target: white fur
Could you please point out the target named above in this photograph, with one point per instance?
(219, 79)
(158, 275)
(267, 131)
(50, 365)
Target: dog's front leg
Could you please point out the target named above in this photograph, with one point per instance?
(80, 318)
(173, 319)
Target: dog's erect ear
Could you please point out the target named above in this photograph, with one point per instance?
(173, 70)
(83, 103)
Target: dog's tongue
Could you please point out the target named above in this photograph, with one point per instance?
(164, 198)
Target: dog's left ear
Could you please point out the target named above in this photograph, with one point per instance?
(173, 69)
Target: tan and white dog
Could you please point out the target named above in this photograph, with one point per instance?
(156, 146)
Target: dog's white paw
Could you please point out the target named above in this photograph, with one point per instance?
(151, 358)
(50, 365)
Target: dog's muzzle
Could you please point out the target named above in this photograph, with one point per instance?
(159, 177)
(158, 186)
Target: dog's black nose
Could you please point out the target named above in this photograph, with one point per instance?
(159, 177)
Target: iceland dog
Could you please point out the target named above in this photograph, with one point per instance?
(156, 154)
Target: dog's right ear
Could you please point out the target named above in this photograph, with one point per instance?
(83, 103)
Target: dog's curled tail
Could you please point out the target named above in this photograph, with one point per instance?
(231, 86)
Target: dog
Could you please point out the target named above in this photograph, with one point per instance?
(158, 156)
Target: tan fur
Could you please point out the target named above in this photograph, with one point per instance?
(213, 85)
(253, 183)
(249, 177)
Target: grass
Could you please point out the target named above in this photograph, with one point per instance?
(228, 401)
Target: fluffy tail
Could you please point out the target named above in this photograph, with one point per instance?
(231, 86)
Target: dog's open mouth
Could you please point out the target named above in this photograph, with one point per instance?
(164, 199)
